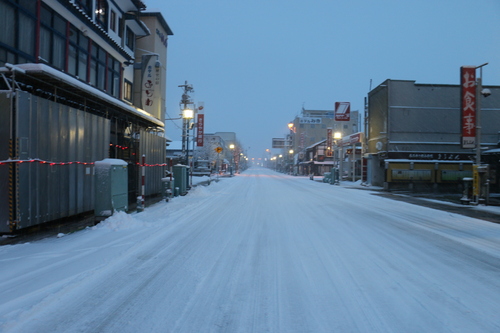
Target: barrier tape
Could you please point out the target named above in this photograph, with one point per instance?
(37, 160)
(32, 160)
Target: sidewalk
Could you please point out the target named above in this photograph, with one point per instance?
(443, 201)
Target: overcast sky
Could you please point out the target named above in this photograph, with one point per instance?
(255, 64)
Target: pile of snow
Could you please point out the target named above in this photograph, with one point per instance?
(121, 221)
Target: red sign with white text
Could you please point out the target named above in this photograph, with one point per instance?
(342, 111)
(201, 128)
(329, 142)
(468, 105)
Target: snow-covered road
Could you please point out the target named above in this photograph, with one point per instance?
(260, 252)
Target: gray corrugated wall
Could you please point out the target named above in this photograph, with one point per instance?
(154, 147)
(54, 132)
(4, 155)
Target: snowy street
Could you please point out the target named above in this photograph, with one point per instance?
(260, 252)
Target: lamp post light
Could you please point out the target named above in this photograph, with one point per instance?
(337, 136)
(187, 113)
(231, 147)
(291, 160)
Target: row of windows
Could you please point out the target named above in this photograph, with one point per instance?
(107, 19)
(61, 45)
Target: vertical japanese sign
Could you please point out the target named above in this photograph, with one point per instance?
(342, 111)
(468, 105)
(150, 85)
(329, 141)
(201, 129)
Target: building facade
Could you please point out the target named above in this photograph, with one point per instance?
(69, 76)
(413, 135)
(309, 133)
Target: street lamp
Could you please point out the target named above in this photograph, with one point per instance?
(187, 115)
(476, 184)
(337, 136)
(231, 147)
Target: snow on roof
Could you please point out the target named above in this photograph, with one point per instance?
(492, 151)
(41, 68)
(109, 161)
(316, 144)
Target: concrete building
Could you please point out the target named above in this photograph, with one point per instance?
(413, 135)
(309, 130)
(69, 97)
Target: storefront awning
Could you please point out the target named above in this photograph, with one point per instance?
(33, 74)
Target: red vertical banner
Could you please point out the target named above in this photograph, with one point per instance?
(201, 129)
(468, 105)
(329, 142)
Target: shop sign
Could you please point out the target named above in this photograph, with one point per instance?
(468, 106)
(342, 111)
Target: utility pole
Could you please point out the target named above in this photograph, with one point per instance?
(185, 101)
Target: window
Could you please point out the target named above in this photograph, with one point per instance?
(102, 57)
(53, 39)
(113, 80)
(78, 53)
(121, 24)
(130, 39)
(7, 24)
(112, 21)
(101, 13)
(17, 31)
(127, 91)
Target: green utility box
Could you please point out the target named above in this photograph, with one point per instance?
(111, 187)
(181, 178)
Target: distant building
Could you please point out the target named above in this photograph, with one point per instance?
(307, 138)
(414, 135)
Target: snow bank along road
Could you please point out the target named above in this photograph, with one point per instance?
(260, 252)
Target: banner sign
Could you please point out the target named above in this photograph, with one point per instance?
(150, 85)
(200, 131)
(329, 141)
(342, 111)
(310, 120)
(352, 139)
(281, 143)
(430, 156)
(468, 106)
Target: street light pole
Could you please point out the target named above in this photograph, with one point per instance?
(186, 114)
(338, 143)
(231, 147)
(479, 88)
(476, 184)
